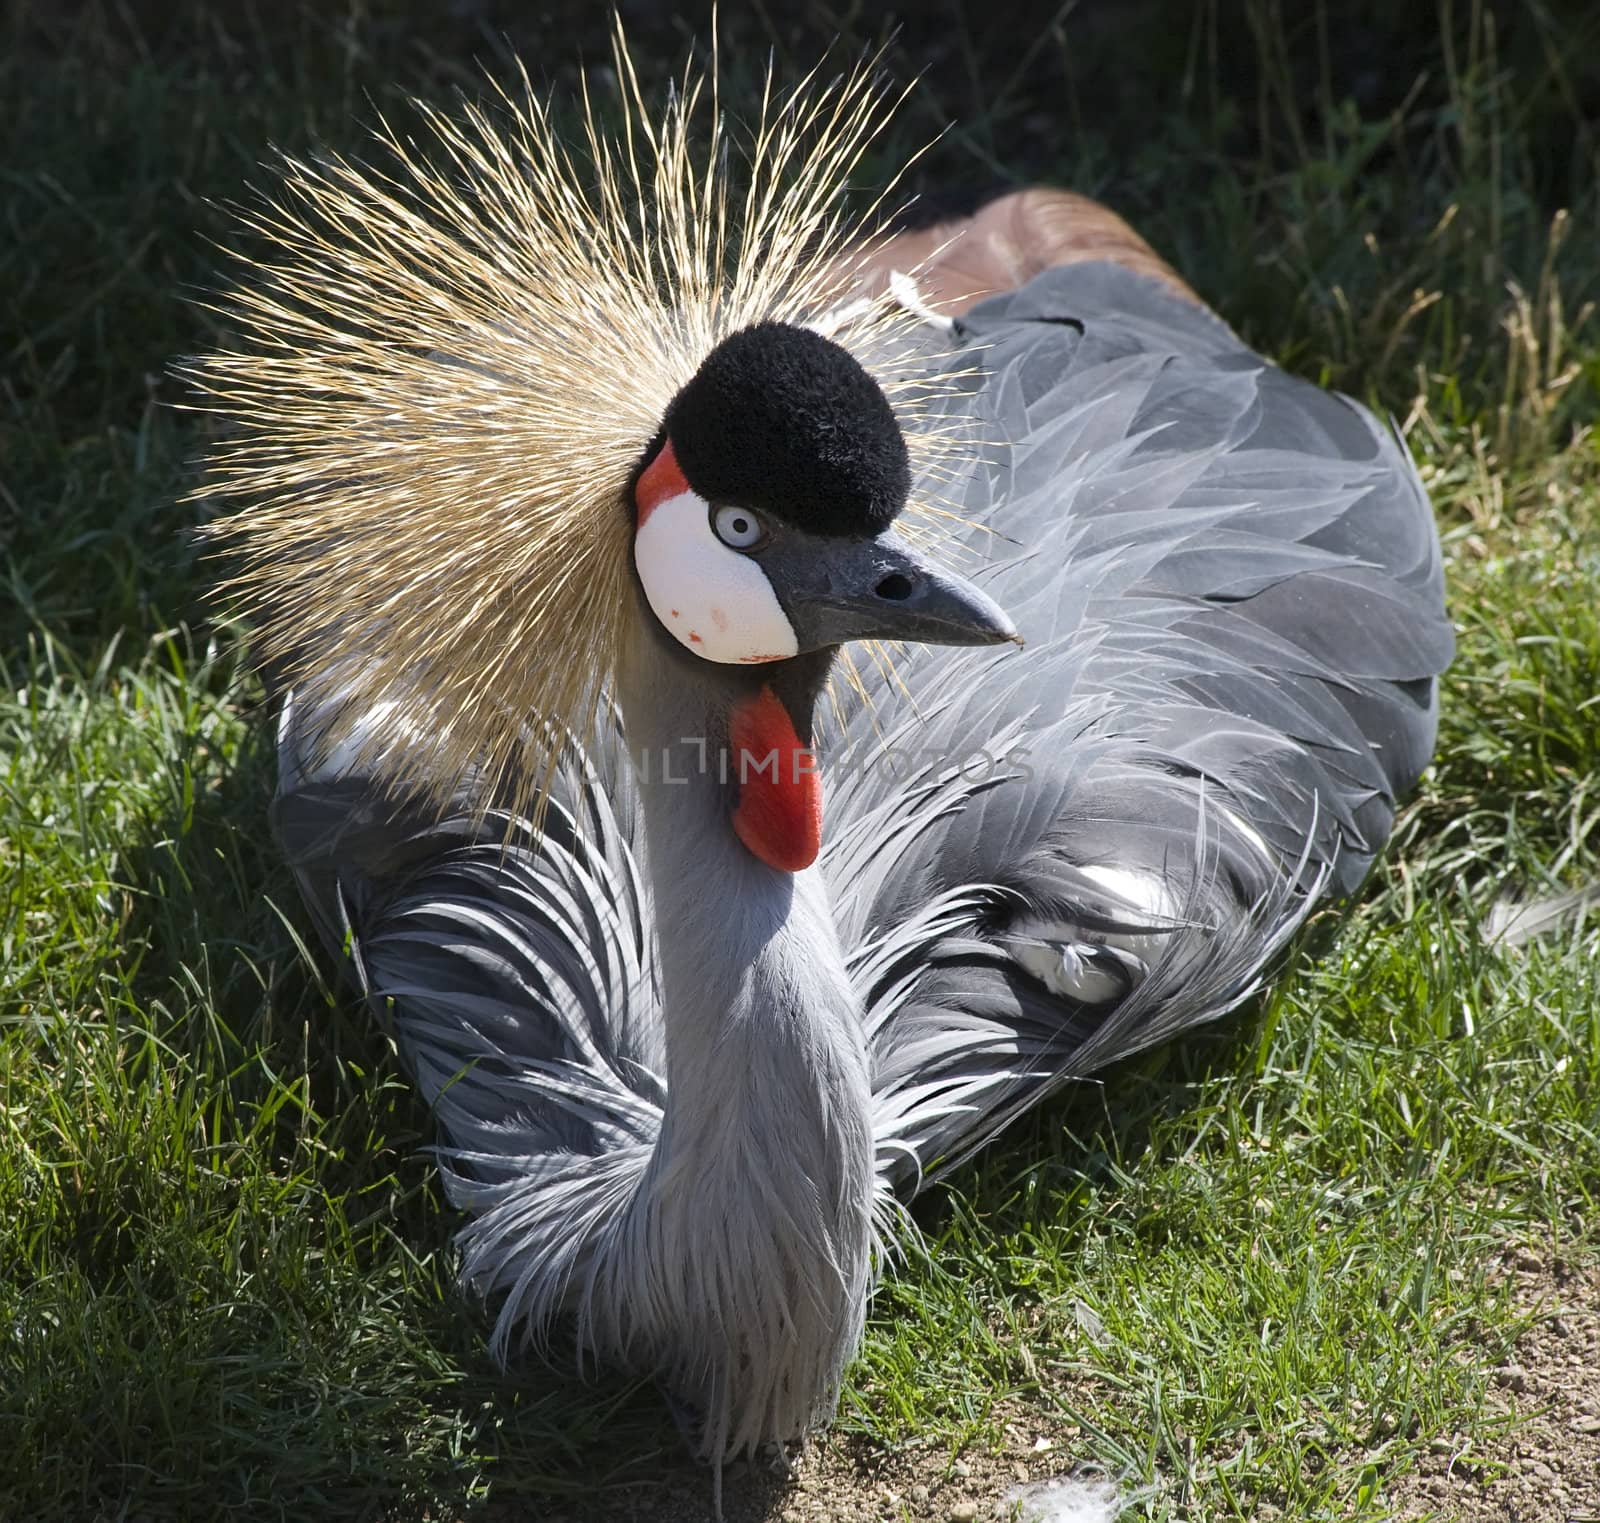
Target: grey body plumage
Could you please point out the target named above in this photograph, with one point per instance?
(678, 1106)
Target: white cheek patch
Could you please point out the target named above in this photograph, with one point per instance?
(711, 598)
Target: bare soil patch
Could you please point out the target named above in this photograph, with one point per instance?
(1546, 1468)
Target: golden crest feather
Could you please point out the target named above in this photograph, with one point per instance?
(449, 370)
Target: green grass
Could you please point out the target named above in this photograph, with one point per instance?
(1257, 1270)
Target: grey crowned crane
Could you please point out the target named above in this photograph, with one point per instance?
(648, 551)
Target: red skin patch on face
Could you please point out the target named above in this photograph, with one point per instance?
(660, 481)
(779, 817)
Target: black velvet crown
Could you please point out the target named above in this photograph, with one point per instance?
(786, 422)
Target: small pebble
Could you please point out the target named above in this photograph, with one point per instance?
(1586, 1425)
(1512, 1376)
(964, 1512)
(1529, 1261)
(919, 1494)
(961, 1470)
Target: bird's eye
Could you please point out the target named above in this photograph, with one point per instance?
(738, 527)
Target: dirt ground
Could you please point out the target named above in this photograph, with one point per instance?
(1546, 1469)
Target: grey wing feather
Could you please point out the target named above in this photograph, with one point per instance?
(482, 949)
(1230, 586)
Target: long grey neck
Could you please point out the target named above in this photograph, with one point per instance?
(750, 962)
(754, 1217)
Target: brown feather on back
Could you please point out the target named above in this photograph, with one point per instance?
(958, 263)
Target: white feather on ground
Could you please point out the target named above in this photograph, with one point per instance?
(1065, 1500)
(1514, 923)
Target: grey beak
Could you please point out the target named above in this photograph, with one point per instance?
(837, 590)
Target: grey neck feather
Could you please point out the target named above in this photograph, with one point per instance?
(756, 1211)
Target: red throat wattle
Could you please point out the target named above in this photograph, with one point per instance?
(779, 816)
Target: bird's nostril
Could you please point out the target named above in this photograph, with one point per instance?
(896, 587)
